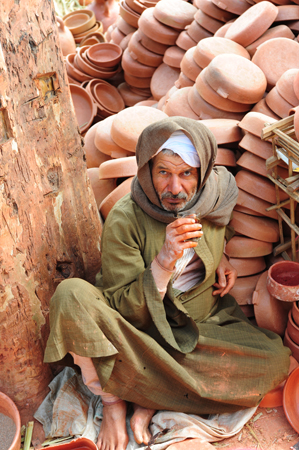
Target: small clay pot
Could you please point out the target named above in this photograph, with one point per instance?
(207, 22)
(174, 13)
(271, 33)
(163, 34)
(254, 122)
(255, 204)
(225, 157)
(84, 106)
(135, 68)
(261, 228)
(224, 130)
(118, 193)
(104, 54)
(128, 14)
(94, 158)
(79, 21)
(283, 281)
(277, 103)
(243, 289)
(293, 328)
(285, 86)
(129, 96)
(104, 143)
(257, 165)
(173, 56)
(177, 105)
(291, 392)
(106, 11)
(150, 44)
(208, 7)
(66, 39)
(136, 81)
(248, 266)
(109, 97)
(118, 168)
(184, 41)
(197, 32)
(221, 32)
(188, 65)
(245, 247)
(183, 81)
(124, 27)
(141, 54)
(74, 71)
(9, 409)
(295, 313)
(237, 7)
(162, 80)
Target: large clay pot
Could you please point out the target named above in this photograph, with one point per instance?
(105, 11)
(283, 281)
(66, 38)
(8, 408)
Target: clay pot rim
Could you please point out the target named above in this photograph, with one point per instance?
(293, 324)
(108, 62)
(288, 393)
(88, 67)
(102, 111)
(279, 264)
(97, 68)
(69, 61)
(87, 96)
(85, 25)
(16, 419)
(94, 28)
(118, 100)
(95, 34)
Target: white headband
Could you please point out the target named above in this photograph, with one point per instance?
(180, 144)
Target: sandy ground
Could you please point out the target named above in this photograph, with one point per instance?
(267, 430)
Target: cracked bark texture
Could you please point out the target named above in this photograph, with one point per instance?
(49, 223)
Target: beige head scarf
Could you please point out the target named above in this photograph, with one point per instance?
(217, 192)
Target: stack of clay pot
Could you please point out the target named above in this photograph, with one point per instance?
(151, 60)
(113, 140)
(82, 23)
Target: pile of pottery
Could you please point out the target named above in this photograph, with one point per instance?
(113, 140)
(82, 23)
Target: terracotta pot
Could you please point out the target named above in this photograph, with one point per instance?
(256, 146)
(207, 22)
(256, 204)
(66, 39)
(225, 157)
(296, 85)
(104, 142)
(141, 54)
(221, 32)
(248, 311)
(224, 130)
(295, 312)
(184, 41)
(189, 66)
(124, 27)
(116, 37)
(236, 78)
(257, 165)
(263, 108)
(271, 33)
(79, 21)
(245, 210)
(104, 54)
(162, 80)
(96, 27)
(285, 86)
(292, 346)
(9, 409)
(128, 14)
(84, 107)
(293, 328)
(208, 7)
(237, 7)
(208, 48)
(270, 313)
(109, 97)
(261, 228)
(86, 66)
(277, 103)
(177, 105)
(101, 188)
(252, 23)
(173, 56)
(73, 71)
(129, 123)
(254, 122)
(258, 186)
(274, 398)
(93, 38)
(136, 81)
(136, 6)
(205, 110)
(94, 158)
(283, 281)
(135, 68)
(245, 247)
(118, 193)
(174, 13)
(152, 103)
(118, 168)
(286, 53)
(150, 44)
(163, 34)
(197, 32)
(129, 96)
(125, 42)
(287, 12)
(216, 100)
(243, 289)
(73, 81)
(248, 266)
(183, 81)
(106, 11)
(291, 398)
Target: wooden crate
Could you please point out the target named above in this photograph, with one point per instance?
(282, 135)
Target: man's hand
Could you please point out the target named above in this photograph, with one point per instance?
(177, 238)
(227, 276)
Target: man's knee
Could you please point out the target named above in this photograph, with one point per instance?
(70, 291)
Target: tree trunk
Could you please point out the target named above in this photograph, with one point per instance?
(49, 223)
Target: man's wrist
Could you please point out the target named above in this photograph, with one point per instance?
(164, 265)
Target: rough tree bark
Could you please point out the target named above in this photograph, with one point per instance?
(49, 223)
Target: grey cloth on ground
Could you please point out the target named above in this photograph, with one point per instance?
(71, 409)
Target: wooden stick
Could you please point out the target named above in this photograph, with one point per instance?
(28, 435)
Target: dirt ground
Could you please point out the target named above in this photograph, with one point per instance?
(267, 430)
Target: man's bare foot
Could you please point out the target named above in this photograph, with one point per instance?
(140, 422)
(113, 433)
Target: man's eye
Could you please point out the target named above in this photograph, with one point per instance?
(162, 172)
(187, 173)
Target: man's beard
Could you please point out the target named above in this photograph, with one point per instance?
(179, 196)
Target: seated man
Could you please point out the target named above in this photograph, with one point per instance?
(159, 329)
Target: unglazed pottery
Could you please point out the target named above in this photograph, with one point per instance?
(8, 408)
(209, 8)
(101, 188)
(254, 122)
(208, 48)
(225, 157)
(124, 27)
(66, 39)
(94, 157)
(84, 107)
(150, 44)
(163, 79)
(173, 56)
(135, 68)
(245, 247)
(293, 328)
(118, 193)
(277, 103)
(236, 78)
(189, 66)
(261, 228)
(79, 21)
(129, 123)
(263, 108)
(287, 12)
(286, 53)
(237, 7)
(252, 23)
(128, 14)
(104, 54)
(174, 13)
(243, 289)
(104, 142)
(291, 395)
(246, 199)
(257, 165)
(224, 130)
(208, 23)
(197, 32)
(283, 281)
(141, 54)
(106, 11)
(163, 33)
(177, 105)
(118, 168)
(136, 81)
(184, 41)
(183, 81)
(248, 266)
(285, 86)
(272, 33)
(131, 97)
(258, 186)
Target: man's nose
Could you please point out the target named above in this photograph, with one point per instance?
(175, 186)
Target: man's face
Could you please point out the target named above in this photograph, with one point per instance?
(174, 181)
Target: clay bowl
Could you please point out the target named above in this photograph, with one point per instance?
(162, 80)
(184, 41)
(243, 289)
(94, 35)
(73, 71)
(105, 144)
(225, 157)
(119, 192)
(79, 37)
(8, 408)
(86, 66)
(104, 54)
(244, 247)
(118, 168)
(288, 342)
(85, 109)
(128, 14)
(295, 312)
(79, 21)
(283, 281)
(224, 130)
(109, 97)
(248, 266)
(291, 399)
(293, 328)
(94, 157)
(80, 443)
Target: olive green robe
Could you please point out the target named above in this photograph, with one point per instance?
(191, 352)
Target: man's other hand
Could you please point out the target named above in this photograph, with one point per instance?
(227, 276)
